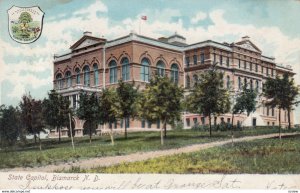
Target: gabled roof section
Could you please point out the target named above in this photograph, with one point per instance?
(247, 44)
(85, 41)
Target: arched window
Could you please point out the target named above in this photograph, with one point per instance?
(86, 75)
(96, 74)
(228, 82)
(112, 71)
(160, 68)
(174, 73)
(145, 70)
(257, 86)
(59, 81)
(125, 69)
(240, 83)
(195, 79)
(77, 70)
(187, 82)
(68, 78)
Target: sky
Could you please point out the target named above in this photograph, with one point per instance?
(272, 25)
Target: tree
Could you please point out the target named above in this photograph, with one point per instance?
(109, 108)
(161, 100)
(127, 97)
(32, 116)
(208, 97)
(275, 94)
(244, 102)
(291, 93)
(9, 125)
(56, 110)
(88, 111)
(25, 17)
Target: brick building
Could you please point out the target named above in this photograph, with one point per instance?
(95, 63)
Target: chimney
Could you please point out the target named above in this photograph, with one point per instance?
(87, 33)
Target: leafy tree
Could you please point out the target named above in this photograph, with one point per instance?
(244, 102)
(9, 125)
(278, 95)
(25, 17)
(88, 111)
(32, 116)
(56, 110)
(161, 100)
(109, 108)
(127, 97)
(209, 97)
(291, 93)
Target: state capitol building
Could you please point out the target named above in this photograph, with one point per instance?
(95, 63)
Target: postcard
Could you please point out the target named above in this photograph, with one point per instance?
(151, 95)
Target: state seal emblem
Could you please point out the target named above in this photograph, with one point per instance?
(25, 23)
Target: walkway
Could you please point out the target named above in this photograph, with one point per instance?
(139, 156)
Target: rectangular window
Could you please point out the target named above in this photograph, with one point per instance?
(228, 120)
(195, 59)
(245, 64)
(273, 112)
(272, 72)
(188, 124)
(143, 123)
(268, 111)
(256, 67)
(215, 58)
(221, 59)
(158, 124)
(262, 69)
(187, 61)
(222, 119)
(267, 72)
(215, 121)
(149, 124)
(122, 123)
(203, 120)
(250, 66)
(127, 122)
(115, 124)
(195, 121)
(227, 61)
(239, 63)
(202, 58)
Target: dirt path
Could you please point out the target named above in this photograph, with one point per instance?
(139, 156)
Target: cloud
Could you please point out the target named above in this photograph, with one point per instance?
(198, 17)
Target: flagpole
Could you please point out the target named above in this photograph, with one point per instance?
(140, 26)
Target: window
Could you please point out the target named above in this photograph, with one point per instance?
(273, 112)
(268, 111)
(203, 120)
(160, 68)
(60, 82)
(245, 82)
(240, 83)
(127, 123)
(272, 72)
(158, 124)
(202, 58)
(228, 82)
(113, 76)
(228, 120)
(187, 61)
(149, 124)
(245, 64)
(143, 123)
(195, 121)
(267, 72)
(145, 70)
(86, 75)
(195, 59)
(262, 69)
(125, 69)
(188, 124)
(256, 68)
(77, 76)
(74, 101)
(122, 123)
(227, 62)
(221, 59)
(69, 79)
(250, 66)
(195, 79)
(174, 73)
(239, 63)
(214, 58)
(257, 86)
(96, 74)
(187, 82)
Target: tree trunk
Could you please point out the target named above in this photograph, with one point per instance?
(289, 117)
(59, 134)
(209, 119)
(165, 131)
(162, 132)
(40, 142)
(125, 127)
(232, 129)
(112, 137)
(279, 119)
(90, 129)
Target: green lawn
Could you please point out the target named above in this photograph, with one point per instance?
(265, 156)
(53, 152)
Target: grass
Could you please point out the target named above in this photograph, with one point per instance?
(29, 155)
(265, 156)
